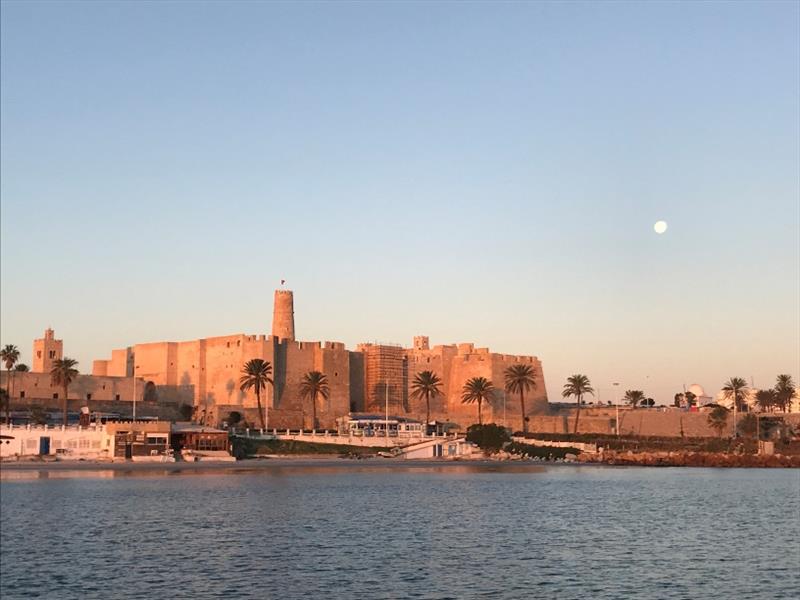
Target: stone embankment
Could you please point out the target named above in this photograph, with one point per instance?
(690, 459)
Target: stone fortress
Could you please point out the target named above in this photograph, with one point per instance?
(205, 373)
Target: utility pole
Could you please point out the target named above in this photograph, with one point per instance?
(133, 367)
(387, 413)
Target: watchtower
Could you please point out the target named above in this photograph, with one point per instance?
(421, 342)
(283, 315)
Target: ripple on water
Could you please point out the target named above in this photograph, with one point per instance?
(379, 533)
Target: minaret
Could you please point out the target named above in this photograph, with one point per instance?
(283, 315)
(45, 351)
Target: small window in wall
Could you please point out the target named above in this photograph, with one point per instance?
(104, 386)
(238, 342)
(88, 396)
(227, 344)
(336, 373)
(22, 394)
(38, 354)
(52, 353)
(116, 397)
(55, 396)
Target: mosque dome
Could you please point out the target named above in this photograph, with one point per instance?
(697, 390)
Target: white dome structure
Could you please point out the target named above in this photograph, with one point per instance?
(697, 390)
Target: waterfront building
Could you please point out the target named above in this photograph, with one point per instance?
(139, 441)
(361, 424)
(199, 442)
(66, 442)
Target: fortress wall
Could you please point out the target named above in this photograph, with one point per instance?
(223, 360)
(358, 382)
(252, 346)
(100, 367)
(205, 373)
(455, 364)
(638, 422)
(118, 365)
(334, 361)
(172, 365)
(668, 424)
(152, 361)
(36, 388)
(187, 370)
(428, 360)
(464, 367)
(535, 399)
(300, 359)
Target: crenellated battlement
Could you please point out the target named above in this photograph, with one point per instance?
(205, 372)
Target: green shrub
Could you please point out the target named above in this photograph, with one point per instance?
(544, 452)
(490, 438)
(748, 426)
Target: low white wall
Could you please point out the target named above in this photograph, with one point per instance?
(69, 442)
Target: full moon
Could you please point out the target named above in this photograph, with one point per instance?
(660, 226)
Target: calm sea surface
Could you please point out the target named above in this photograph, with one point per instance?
(364, 531)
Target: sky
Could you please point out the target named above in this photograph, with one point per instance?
(484, 172)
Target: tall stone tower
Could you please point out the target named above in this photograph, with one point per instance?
(283, 315)
(45, 351)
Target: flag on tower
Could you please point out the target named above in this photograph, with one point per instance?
(283, 281)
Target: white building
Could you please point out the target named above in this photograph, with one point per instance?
(66, 442)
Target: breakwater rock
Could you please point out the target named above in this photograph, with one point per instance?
(691, 459)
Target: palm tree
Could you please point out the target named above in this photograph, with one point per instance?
(765, 399)
(477, 389)
(735, 389)
(256, 374)
(718, 419)
(784, 391)
(519, 379)
(578, 386)
(63, 373)
(426, 385)
(634, 397)
(314, 384)
(9, 355)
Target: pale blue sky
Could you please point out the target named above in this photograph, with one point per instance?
(473, 172)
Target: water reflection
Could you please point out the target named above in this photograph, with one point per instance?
(272, 468)
(346, 529)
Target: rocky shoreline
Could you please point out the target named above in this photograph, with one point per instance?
(691, 459)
